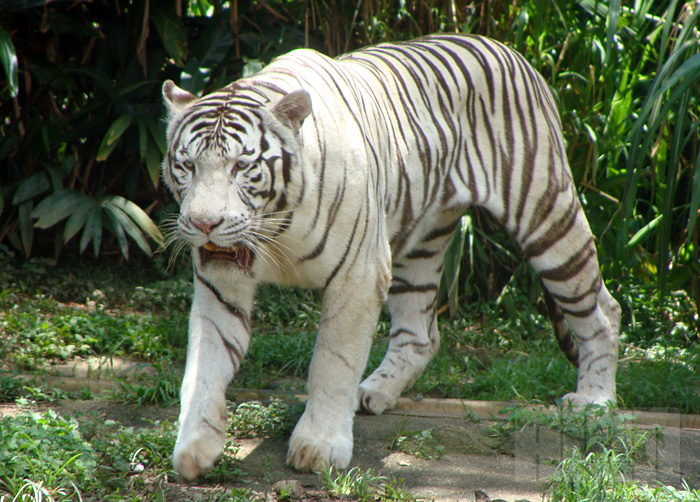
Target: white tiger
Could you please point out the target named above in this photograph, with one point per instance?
(351, 175)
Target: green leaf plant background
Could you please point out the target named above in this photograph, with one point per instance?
(81, 135)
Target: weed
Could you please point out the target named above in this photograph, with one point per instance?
(226, 468)
(364, 486)
(663, 493)
(356, 483)
(602, 475)
(11, 387)
(595, 427)
(592, 476)
(37, 491)
(236, 495)
(420, 444)
(163, 388)
(255, 419)
(123, 448)
(47, 450)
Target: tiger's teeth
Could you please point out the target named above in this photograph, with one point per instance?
(210, 246)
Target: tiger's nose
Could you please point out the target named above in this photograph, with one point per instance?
(206, 226)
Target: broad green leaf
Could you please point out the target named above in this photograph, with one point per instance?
(172, 34)
(114, 132)
(612, 20)
(644, 232)
(79, 218)
(158, 133)
(153, 163)
(117, 218)
(32, 186)
(143, 140)
(8, 57)
(58, 206)
(453, 261)
(125, 224)
(26, 230)
(139, 216)
(694, 201)
(92, 231)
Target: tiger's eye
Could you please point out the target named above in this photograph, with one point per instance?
(189, 165)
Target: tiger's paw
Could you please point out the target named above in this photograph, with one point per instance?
(580, 400)
(314, 454)
(314, 449)
(196, 453)
(373, 400)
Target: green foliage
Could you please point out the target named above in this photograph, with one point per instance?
(162, 389)
(123, 451)
(594, 476)
(420, 444)
(364, 486)
(255, 419)
(41, 330)
(595, 427)
(603, 475)
(661, 378)
(82, 136)
(44, 453)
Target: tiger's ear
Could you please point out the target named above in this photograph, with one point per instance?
(176, 99)
(293, 109)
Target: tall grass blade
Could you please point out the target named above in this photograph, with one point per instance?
(694, 200)
(612, 22)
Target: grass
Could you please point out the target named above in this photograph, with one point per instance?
(494, 351)
(364, 486)
(419, 443)
(601, 476)
(488, 352)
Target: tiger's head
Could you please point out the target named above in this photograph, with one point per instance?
(231, 165)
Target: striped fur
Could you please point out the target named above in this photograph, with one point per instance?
(351, 175)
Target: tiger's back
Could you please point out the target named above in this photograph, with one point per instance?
(351, 175)
(443, 123)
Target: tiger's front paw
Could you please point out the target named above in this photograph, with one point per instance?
(316, 448)
(196, 451)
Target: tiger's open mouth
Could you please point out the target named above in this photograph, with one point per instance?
(239, 254)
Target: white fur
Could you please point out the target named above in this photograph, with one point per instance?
(360, 207)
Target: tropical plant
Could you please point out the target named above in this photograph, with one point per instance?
(81, 136)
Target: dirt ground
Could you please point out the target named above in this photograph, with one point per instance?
(471, 460)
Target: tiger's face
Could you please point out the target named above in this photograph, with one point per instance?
(231, 165)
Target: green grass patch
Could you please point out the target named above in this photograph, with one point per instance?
(364, 486)
(488, 351)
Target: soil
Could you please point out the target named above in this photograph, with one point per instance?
(472, 465)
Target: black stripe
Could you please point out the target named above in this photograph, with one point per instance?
(572, 267)
(233, 310)
(232, 350)
(406, 287)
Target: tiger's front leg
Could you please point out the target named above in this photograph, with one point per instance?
(323, 436)
(219, 333)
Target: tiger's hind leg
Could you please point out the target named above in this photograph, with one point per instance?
(414, 337)
(564, 255)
